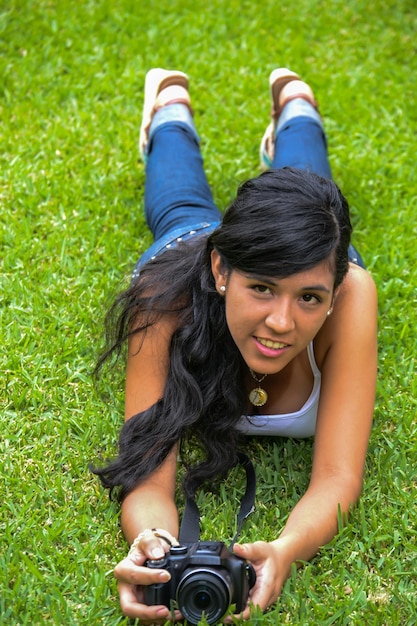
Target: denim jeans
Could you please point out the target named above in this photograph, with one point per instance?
(178, 200)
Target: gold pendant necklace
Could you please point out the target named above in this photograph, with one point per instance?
(258, 396)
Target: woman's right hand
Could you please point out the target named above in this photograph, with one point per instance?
(132, 575)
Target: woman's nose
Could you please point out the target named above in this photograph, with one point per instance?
(281, 317)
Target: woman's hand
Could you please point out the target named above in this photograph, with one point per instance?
(133, 575)
(271, 568)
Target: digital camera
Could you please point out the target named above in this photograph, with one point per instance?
(206, 578)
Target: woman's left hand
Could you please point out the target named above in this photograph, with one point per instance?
(271, 573)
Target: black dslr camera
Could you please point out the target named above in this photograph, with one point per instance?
(206, 578)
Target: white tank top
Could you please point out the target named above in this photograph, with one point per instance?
(300, 424)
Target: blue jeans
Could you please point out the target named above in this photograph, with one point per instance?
(178, 200)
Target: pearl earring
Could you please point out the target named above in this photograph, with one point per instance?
(329, 312)
(223, 288)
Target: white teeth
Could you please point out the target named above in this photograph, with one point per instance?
(276, 345)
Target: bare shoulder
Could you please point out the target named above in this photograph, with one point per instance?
(358, 283)
(354, 316)
(148, 364)
(355, 302)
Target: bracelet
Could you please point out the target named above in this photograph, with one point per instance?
(152, 532)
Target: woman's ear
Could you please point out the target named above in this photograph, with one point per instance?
(218, 271)
(335, 293)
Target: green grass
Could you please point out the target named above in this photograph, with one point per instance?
(72, 227)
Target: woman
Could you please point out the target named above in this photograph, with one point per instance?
(262, 323)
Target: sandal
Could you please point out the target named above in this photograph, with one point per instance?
(161, 87)
(285, 86)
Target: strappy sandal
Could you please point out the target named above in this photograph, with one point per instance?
(278, 80)
(161, 87)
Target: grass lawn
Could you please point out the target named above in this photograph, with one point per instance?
(72, 227)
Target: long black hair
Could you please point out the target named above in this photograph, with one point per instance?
(282, 222)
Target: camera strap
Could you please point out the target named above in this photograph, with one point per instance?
(190, 525)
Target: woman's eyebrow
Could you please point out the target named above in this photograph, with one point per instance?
(316, 288)
(270, 281)
(262, 279)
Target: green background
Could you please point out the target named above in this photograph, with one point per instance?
(72, 226)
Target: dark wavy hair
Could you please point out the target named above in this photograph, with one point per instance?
(282, 222)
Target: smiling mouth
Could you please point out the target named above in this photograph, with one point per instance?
(268, 343)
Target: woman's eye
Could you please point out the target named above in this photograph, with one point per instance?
(261, 288)
(309, 297)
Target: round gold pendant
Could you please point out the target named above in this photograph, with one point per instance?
(258, 396)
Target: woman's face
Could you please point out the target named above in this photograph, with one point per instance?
(273, 319)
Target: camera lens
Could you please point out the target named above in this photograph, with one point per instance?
(204, 591)
(202, 599)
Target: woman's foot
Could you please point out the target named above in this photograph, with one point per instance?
(285, 85)
(162, 87)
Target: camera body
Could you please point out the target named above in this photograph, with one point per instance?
(206, 578)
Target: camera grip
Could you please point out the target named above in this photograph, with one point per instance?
(157, 593)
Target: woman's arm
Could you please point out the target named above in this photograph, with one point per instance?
(152, 503)
(347, 353)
